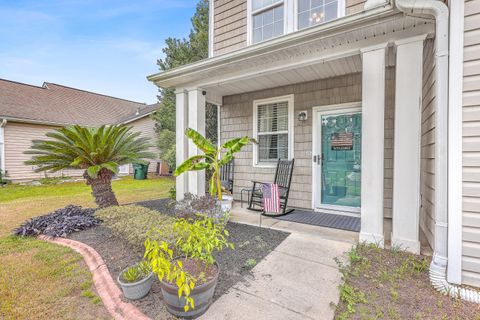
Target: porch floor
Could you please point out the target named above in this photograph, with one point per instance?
(242, 215)
(321, 219)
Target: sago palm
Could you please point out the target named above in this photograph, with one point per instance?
(98, 151)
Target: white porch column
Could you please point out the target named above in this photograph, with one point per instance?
(181, 141)
(373, 110)
(196, 121)
(406, 159)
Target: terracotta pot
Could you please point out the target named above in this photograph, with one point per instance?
(202, 295)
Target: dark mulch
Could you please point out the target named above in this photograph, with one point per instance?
(392, 284)
(163, 205)
(250, 243)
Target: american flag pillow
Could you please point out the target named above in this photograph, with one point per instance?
(271, 198)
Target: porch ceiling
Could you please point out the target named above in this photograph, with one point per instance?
(319, 70)
(298, 57)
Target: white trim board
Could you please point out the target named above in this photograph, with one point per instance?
(290, 99)
(454, 269)
(351, 107)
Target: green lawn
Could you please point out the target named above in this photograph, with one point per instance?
(39, 280)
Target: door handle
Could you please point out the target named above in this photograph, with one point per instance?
(317, 158)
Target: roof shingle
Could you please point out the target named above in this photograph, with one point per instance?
(59, 104)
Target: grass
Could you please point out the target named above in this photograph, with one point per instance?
(39, 280)
(18, 203)
(394, 284)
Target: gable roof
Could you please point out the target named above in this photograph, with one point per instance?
(56, 104)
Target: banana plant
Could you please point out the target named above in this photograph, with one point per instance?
(213, 158)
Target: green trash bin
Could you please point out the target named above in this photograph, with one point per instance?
(141, 171)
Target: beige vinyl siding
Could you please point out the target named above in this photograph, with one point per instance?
(230, 27)
(18, 139)
(427, 162)
(146, 126)
(236, 119)
(230, 23)
(354, 6)
(471, 146)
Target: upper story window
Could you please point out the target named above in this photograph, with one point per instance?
(312, 12)
(268, 19)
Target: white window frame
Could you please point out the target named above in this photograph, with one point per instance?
(287, 27)
(289, 99)
(290, 17)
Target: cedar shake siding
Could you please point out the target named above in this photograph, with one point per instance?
(230, 23)
(427, 162)
(236, 119)
(230, 26)
(471, 146)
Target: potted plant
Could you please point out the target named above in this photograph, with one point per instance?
(187, 269)
(136, 281)
(212, 159)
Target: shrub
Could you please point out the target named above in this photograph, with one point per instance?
(136, 223)
(59, 223)
(207, 205)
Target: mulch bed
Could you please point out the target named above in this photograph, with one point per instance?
(250, 243)
(391, 284)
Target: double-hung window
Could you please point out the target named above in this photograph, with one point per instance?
(273, 129)
(313, 12)
(268, 19)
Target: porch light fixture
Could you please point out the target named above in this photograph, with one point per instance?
(302, 115)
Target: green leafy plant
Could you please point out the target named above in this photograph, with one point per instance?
(250, 263)
(98, 151)
(136, 273)
(212, 159)
(172, 193)
(136, 223)
(196, 241)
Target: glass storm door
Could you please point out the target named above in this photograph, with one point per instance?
(340, 160)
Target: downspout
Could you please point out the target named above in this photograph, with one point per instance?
(3, 123)
(438, 266)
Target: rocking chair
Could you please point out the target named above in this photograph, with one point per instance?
(283, 178)
(226, 175)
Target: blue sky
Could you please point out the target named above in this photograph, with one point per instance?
(105, 46)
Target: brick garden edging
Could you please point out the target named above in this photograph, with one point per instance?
(106, 287)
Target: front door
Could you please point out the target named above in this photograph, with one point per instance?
(338, 161)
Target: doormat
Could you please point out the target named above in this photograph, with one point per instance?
(328, 220)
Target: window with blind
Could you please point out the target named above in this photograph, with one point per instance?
(272, 131)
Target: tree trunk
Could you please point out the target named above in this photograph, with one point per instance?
(102, 188)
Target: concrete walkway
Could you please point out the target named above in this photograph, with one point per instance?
(298, 280)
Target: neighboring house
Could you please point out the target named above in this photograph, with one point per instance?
(27, 112)
(391, 90)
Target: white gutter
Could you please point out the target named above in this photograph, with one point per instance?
(3, 123)
(438, 267)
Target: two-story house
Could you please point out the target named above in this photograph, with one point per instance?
(378, 101)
